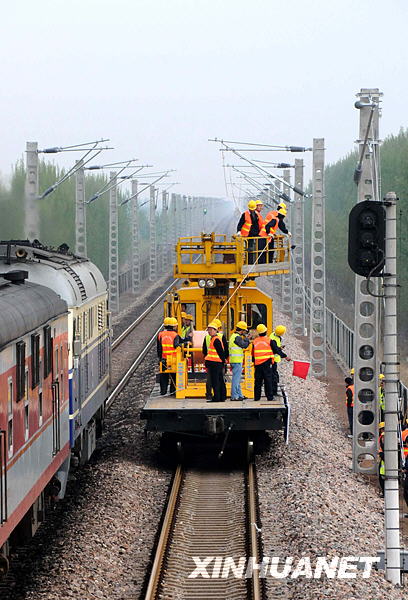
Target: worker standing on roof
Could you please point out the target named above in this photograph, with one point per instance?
(274, 220)
(214, 362)
(350, 402)
(249, 225)
(262, 355)
(237, 344)
(276, 339)
(381, 396)
(167, 344)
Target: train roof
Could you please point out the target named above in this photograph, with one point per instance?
(75, 278)
(25, 307)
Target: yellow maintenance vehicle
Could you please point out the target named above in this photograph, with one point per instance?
(218, 281)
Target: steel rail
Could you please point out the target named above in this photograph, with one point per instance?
(125, 378)
(167, 531)
(140, 318)
(253, 534)
(162, 544)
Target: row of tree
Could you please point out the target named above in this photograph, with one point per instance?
(57, 214)
(341, 195)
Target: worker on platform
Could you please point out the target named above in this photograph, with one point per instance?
(206, 344)
(381, 466)
(262, 355)
(214, 362)
(167, 343)
(404, 436)
(249, 225)
(381, 396)
(238, 342)
(273, 221)
(350, 402)
(279, 354)
(187, 326)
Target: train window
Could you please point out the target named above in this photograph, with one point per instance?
(10, 397)
(56, 363)
(100, 315)
(10, 417)
(84, 327)
(40, 409)
(255, 314)
(20, 370)
(10, 437)
(26, 421)
(35, 360)
(47, 351)
(90, 321)
(232, 319)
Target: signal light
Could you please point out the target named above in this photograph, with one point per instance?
(366, 243)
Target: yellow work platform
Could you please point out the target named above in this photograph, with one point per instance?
(213, 255)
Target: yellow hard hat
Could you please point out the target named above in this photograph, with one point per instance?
(259, 202)
(261, 328)
(281, 205)
(280, 330)
(352, 371)
(183, 314)
(242, 325)
(166, 321)
(381, 376)
(217, 322)
(213, 324)
(282, 211)
(189, 317)
(252, 205)
(381, 425)
(172, 321)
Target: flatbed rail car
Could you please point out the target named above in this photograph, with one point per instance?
(218, 281)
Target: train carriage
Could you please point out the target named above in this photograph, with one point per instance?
(81, 284)
(34, 401)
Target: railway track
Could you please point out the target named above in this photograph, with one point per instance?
(210, 513)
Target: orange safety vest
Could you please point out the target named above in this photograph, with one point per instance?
(262, 350)
(167, 341)
(212, 354)
(245, 229)
(350, 387)
(273, 214)
(404, 436)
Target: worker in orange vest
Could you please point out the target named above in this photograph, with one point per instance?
(214, 362)
(263, 358)
(249, 225)
(273, 221)
(404, 436)
(167, 343)
(350, 402)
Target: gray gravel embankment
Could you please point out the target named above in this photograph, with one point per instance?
(99, 543)
(311, 503)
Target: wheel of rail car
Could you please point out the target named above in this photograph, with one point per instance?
(4, 566)
(250, 451)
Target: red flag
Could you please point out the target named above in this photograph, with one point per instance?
(300, 368)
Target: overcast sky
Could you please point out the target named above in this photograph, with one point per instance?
(160, 77)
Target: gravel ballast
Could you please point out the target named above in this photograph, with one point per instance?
(311, 503)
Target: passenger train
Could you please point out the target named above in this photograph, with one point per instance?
(55, 363)
(54, 376)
